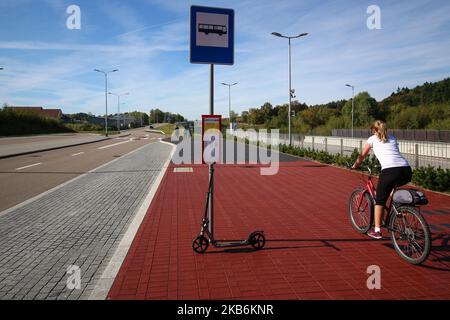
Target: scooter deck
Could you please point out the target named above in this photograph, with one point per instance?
(230, 243)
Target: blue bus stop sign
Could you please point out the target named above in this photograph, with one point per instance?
(212, 35)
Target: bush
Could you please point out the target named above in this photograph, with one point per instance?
(432, 178)
(437, 179)
(85, 127)
(20, 123)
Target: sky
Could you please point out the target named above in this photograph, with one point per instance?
(47, 64)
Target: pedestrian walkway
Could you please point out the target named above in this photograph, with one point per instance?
(79, 223)
(312, 251)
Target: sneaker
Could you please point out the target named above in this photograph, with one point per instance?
(375, 235)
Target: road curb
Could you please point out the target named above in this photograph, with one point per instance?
(155, 131)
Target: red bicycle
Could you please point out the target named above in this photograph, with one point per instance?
(410, 233)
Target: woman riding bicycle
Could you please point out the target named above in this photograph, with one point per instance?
(395, 170)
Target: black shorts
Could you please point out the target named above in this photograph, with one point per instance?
(391, 178)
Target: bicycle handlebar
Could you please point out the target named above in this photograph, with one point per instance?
(368, 170)
(350, 166)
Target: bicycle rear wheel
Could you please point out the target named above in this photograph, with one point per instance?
(361, 210)
(410, 235)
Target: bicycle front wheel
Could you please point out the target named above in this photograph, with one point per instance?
(410, 235)
(360, 207)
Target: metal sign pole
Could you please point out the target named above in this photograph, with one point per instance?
(211, 194)
(106, 103)
(213, 49)
(290, 93)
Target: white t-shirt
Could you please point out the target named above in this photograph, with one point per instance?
(387, 153)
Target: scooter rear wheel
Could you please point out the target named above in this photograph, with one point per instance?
(257, 240)
(200, 244)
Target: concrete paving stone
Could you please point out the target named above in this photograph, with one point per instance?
(81, 222)
(41, 296)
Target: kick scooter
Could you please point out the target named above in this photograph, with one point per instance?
(200, 244)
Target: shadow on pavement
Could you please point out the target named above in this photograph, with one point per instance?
(439, 258)
(440, 254)
(326, 244)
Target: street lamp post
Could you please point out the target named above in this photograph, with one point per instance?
(353, 103)
(106, 95)
(290, 78)
(118, 106)
(229, 101)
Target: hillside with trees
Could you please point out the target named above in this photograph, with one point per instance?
(424, 107)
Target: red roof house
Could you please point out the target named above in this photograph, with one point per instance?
(46, 113)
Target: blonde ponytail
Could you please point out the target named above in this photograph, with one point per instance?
(380, 130)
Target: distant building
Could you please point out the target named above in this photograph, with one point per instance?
(46, 113)
(52, 113)
(125, 120)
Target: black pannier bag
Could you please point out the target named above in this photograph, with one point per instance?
(410, 196)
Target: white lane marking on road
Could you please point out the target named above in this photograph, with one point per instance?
(77, 154)
(31, 165)
(115, 144)
(39, 196)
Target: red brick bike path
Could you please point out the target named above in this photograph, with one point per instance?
(312, 252)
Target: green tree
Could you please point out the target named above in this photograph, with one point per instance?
(425, 106)
(366, 110)
(234, 116)
(244, 116)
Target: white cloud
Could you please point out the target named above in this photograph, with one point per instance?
(49, 46)
(154, 67)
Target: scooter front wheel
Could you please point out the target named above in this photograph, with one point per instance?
(257, 240)
(200, 244)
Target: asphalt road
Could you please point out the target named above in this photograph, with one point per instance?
(242, 152)
(24, 177)
(15, 146)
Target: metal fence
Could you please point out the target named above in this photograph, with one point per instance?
(418, 154)
(409, 135)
